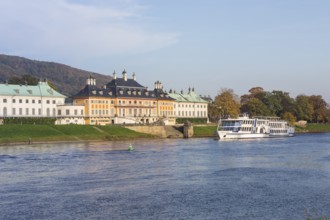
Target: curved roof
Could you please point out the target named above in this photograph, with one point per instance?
(190, 97)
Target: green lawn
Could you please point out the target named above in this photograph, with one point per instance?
(23, 133)
(314, 128)
(205, 131)
(119, 132)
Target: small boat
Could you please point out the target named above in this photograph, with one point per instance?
(258, 127)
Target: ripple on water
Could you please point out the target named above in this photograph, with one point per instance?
(167, 179)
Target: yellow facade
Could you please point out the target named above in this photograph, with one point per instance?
(98, 110)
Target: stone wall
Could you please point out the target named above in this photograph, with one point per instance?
(160, 131)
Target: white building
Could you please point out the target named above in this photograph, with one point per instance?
(37, 101)
(70, 114)
(29, 101)
(189, 105)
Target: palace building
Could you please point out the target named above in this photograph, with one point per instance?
(125, 101)
(189, 105)
(35, 101)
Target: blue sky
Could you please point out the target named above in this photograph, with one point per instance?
(209, 45)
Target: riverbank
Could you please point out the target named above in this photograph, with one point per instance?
(314, 128)
(28, 134)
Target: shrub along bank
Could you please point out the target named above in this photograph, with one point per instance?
(25, 133)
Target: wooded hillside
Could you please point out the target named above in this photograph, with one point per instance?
(66, 79)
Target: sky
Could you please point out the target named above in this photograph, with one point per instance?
(208, 45)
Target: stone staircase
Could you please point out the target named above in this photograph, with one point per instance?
(167, 131)
(173, 131)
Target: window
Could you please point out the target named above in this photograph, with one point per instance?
(26, 101)
(54, 112)
(47, 101)
(20, 101)
(82, 112)
(75, 112)
(5, 111)
(48, 112)
(33, 111)
(39, 101)
(14, 100)
(26, 111)
(20, 111)
(33, 101)
(39, 110)
(67, 112)
(59, 112)
(4, 100)
(14, 111)
(54, 102)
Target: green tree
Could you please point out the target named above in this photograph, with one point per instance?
(272, 102)
(320, 108)
(304, 109)
(255, 92)
(227, 103)
(214, 112)
(255, 107)
(289, 117)
(287, 103)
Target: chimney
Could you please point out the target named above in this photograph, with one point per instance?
(124, 75)
(134, 76)
(114, 74)
(91, 81)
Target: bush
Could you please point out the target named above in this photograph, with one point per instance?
(192, 120)
(31, 121)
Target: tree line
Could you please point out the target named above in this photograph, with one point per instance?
(258, 102)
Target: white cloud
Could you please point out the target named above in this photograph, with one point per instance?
(59, 28)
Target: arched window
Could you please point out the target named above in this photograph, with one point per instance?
(48, 112)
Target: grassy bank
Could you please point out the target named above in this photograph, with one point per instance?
(314, 128)
(205, 131)
(44, 133)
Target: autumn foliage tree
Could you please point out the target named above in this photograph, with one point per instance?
(228, 103)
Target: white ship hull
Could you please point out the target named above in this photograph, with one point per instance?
(234, 135)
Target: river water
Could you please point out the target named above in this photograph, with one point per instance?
(285, 178)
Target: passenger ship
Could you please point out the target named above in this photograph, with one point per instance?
(257, 127)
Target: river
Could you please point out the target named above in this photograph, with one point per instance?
(285, 178)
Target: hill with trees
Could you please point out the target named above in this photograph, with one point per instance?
(67, 80)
